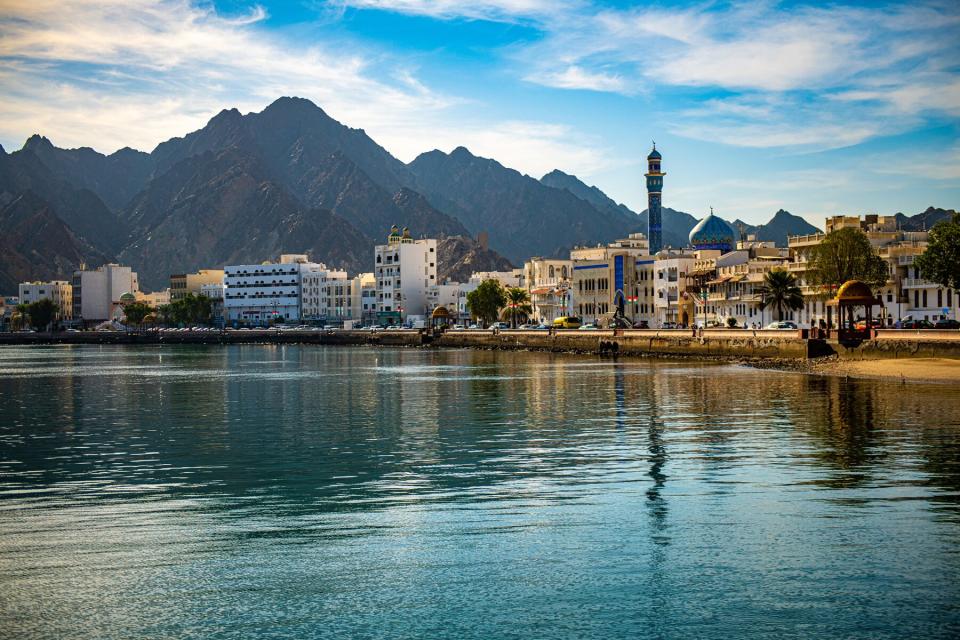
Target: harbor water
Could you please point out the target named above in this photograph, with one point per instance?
(353, 492)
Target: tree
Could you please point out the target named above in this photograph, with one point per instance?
(485, 302)
(780, 290)
(517, 305)
(136, 312)
(19, 317)
(190, 309)
(940, 262)
(846, 254)
(732, 322)
(42, 313)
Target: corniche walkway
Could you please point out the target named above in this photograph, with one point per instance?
(722, 343)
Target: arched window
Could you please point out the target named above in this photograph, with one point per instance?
(563, 272)
(552, 273)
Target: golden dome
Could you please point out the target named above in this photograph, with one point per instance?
(854, 291)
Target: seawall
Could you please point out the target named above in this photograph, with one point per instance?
(740, 344)
(712, 343)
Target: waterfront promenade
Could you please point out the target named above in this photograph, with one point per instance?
(711, 343)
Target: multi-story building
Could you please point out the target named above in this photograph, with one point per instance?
(405, 269)
(675, 285)
(548, 280)
(905, 294)
(60, 292)
(156, 299)
(215, 291)
(183, 283)
(258, 294)
(96, 294)
(733, 291)
(364, 298)
(606, 278)
(325, 293)
(512, 279)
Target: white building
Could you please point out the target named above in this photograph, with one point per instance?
(58, 291)
(405, 269)
(512, 279)
(324, 293)
(96, 294)
(673, 281)
(257, 294)
(215, 291)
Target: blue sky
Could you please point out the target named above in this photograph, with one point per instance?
(816, 108)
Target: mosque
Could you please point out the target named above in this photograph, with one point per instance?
(712, 233)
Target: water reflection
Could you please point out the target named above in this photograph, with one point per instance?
(609, 493)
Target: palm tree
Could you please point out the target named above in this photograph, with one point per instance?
(518, 305)
(780, 290)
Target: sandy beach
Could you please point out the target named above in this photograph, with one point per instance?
(915, 369)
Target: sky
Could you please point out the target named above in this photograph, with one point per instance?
(817, 108)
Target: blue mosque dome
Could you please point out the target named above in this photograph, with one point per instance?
(654, 153)
(712, 233)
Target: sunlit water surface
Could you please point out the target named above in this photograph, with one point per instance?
(298, 492)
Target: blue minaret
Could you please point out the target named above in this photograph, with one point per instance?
(654, 191)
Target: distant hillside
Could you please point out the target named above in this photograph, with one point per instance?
(925, 220)
(37, 244)
(459, 256)
(523, 216)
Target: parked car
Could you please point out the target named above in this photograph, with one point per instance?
(642, 324)
(474, 326)
(947, 323)
(500, 325)
(861, 325)
(567, 322)
(543, 326)
(910, 323)
(784, 324)
(588, 327)
(457, 327)
(669, 325)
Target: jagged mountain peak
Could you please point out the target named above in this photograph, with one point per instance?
(37, 142)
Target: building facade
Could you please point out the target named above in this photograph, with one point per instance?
(183, 283)
(405, 269)
(60, 292)
(258, 294)
(548, 281)
(905, 295)
(611, 278)
(96, 294)
(215, 291)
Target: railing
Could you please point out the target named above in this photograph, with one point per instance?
(913, 283)
(812, 237)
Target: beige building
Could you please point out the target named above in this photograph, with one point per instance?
(59, 291)
(97, 293)
(183, 283)
(905, 294)
(607, 277)
(548, 281)
(156, 299)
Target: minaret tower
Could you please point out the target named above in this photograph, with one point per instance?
(654, 210)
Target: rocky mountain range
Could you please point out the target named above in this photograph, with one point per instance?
(291, 179)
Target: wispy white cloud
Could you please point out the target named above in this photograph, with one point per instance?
(119, 73)
(841, 74)
(494, 10)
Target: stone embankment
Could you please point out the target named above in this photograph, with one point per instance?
(741, 344)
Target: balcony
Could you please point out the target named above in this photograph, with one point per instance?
(805, 241)
(797, 266)
(917, 283)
